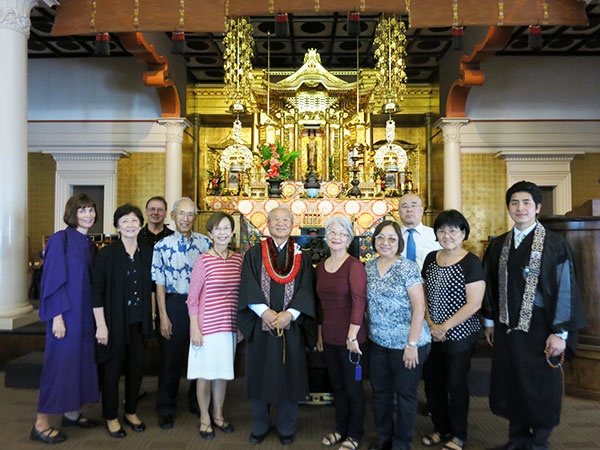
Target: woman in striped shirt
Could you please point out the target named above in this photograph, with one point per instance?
(212, 305)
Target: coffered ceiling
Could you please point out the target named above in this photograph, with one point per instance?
(327, 34)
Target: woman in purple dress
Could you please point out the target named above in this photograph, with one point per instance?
(69, 377)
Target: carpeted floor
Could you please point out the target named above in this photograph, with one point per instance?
(580, 427)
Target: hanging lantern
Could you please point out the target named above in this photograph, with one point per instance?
(390, 54)
(353, 25)
(457, 38)
(178, 43)
(102, 45)
(535, 37)
(281, 25)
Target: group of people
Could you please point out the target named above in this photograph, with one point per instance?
(414, 310)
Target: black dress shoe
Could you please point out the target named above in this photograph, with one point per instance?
(286, 440)
(165, 422)
(45, 436)
(138, 427)
(256, 439)
(120, 433)
(381, 446)
(81, 422)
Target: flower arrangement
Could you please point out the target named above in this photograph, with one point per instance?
(276, 161)
(215, 180)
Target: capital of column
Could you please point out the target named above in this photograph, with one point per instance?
(451, 128)
(14, 14)
(175, 128)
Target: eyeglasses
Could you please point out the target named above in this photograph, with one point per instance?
(336, 234)
(448, 231)
(189, 215)
(158, 210)
(280, 219)
(406, 206)
(221, 229)
(381, 238)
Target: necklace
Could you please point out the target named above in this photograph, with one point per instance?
(332, 265)
(221, 256)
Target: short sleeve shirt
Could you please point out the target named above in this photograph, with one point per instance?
(446, 292)
(388, 304)
(173, 260)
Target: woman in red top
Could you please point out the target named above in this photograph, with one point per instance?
(342, 290)
(212, 305)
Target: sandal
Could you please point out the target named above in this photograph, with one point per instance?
(224, 426)
(454, 444)
(432, 439)
(206, 431)
(349, 444)
(331, 439)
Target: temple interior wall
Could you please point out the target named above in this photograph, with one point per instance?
(41, 171)
(140, 177)
(89, 89)
(537, 88)
(585, 176)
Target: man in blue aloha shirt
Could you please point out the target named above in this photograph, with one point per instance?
(172, 264)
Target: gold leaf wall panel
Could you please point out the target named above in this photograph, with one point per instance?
(41, 172)
(483, 187)
(140, 177)
(585, 172)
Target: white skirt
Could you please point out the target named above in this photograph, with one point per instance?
(214, 359)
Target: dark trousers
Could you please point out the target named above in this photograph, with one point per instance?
(447, 389)
(173, 357)
(388, 375)
(348, 392)
(287, 416)
(523, 437)
(129, 357)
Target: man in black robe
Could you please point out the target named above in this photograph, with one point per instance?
(533, 314)
(276, 316)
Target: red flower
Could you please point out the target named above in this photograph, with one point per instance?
(273, 172)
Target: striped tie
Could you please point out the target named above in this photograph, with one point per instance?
(518, 239)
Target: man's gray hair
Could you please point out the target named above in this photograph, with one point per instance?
(176, 204)
(343, 222)
(282, 208)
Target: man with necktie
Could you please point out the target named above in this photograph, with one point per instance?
(419, 239)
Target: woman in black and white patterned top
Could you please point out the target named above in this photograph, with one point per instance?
(455, 286)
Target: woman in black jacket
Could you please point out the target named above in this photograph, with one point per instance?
(122, 301)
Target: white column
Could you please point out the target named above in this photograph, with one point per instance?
(452, 173)
(173, 157)
(15, 309)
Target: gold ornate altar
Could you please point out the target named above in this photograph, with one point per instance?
(320, 113)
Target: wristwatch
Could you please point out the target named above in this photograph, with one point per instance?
(351, 339)
(412, 344)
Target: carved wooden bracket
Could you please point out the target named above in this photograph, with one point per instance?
(495, 40)
(156, 75)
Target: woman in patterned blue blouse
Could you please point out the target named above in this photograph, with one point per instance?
(399, 337)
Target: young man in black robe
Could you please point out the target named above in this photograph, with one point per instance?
(533, 312)
(276, 316)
